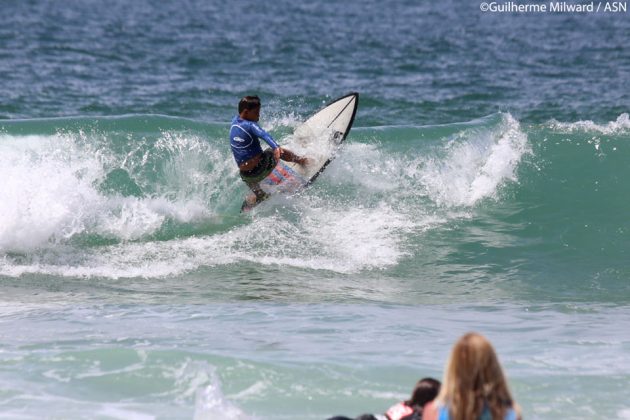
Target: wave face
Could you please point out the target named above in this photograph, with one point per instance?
(150, 196)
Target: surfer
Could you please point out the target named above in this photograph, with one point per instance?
(254, 163)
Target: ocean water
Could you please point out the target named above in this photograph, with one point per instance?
(484, 186)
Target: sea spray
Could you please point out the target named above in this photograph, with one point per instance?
(475, 163)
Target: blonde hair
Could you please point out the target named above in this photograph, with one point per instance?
(474, 380)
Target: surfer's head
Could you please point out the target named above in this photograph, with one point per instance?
(249, 108)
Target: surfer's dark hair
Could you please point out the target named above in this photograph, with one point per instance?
(248, 102)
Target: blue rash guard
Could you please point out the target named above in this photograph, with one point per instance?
(245, 139)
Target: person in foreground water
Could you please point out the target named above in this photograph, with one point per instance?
(425, 391)
(474, 385)
(254, 164)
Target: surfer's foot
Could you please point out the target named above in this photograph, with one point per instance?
(250, 199)
(253, 199)
(261, 196)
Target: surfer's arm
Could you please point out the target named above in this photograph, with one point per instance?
(265, 136)
(278, 152)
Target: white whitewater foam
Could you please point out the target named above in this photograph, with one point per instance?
(47, 192)
(50, 192)
(211, 403)
(367, 230)
(475, 165)
(624, 414)
(620, 125)
(328, 235)
(123, 413)
(362, 238)
(328, 239)
(366, 166)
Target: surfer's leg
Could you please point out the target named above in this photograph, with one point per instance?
(289, 156)
(258, 192)
(253, 177)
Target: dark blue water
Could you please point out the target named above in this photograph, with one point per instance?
(413, 63)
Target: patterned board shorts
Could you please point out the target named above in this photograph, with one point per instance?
(265, 166)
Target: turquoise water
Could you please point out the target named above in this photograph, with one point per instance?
(483, 187)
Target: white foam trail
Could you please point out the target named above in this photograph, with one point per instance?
(363, 238)
(325, 238)
(620, 125)
(475, 165)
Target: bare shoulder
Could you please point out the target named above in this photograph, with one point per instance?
(518, 411)
(430, 411)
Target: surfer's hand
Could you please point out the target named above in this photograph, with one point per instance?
(277, 153)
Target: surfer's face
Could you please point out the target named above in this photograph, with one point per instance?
(251, 114)
(255, 113)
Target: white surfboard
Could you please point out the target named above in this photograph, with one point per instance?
(318, 138)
